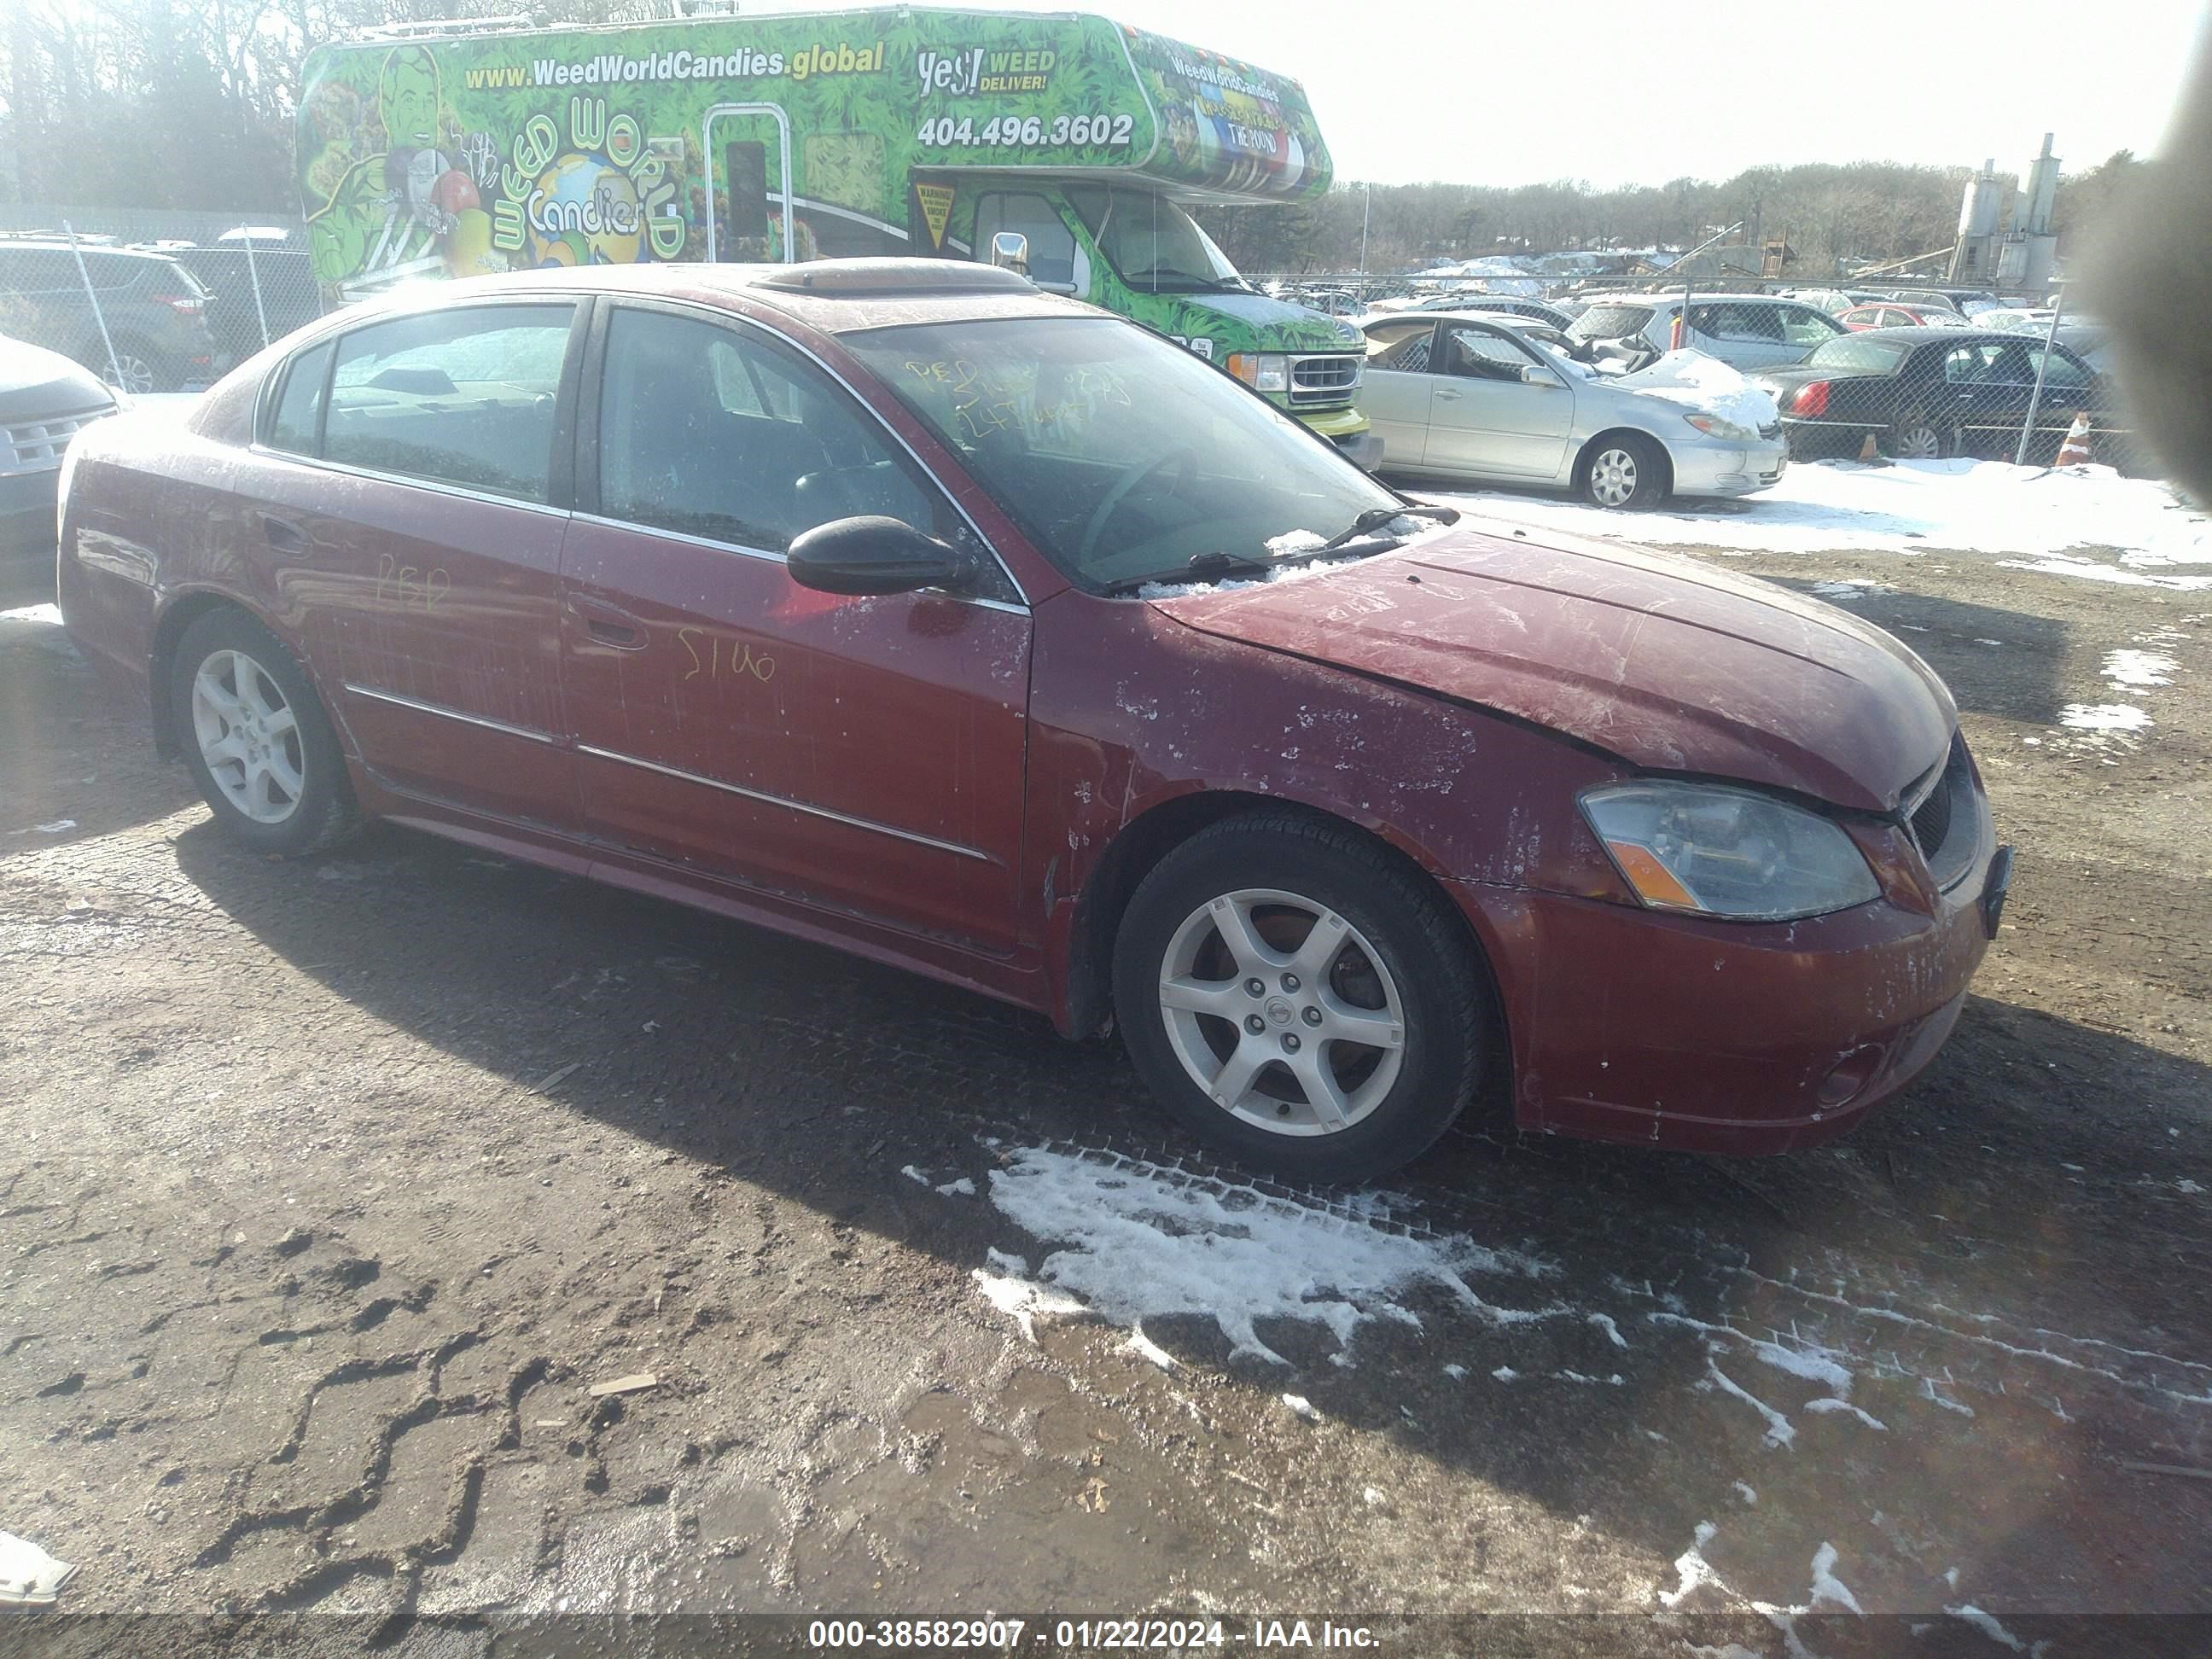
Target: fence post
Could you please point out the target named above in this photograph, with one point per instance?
(98, 315)
(253, 272)
(2042, 369)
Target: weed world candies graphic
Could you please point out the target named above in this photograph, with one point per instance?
(583, 210)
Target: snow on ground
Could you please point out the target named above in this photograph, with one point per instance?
(2029, 513)
(1137, 1242)
(34, 613)
(2104, 717)
(2134, 671)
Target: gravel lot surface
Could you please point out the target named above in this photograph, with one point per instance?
(332, 1190)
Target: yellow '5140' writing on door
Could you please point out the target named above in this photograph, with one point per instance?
(729, 658)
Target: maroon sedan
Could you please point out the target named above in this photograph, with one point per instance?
(898, 605)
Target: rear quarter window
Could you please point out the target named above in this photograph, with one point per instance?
(1610, 322)
(295, 418)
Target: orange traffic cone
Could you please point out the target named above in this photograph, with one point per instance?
(2075, 449)
(1868, 456)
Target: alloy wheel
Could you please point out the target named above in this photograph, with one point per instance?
(136, 373)
(1919, 443)
(248, 736)
(1282, 1012)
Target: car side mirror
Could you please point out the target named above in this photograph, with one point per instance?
(1537, 374)
(1010, 251)
(874, 554)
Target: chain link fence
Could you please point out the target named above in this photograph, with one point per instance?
(153, 301)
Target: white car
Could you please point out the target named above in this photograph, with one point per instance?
(1468, 396)
(1745, 331)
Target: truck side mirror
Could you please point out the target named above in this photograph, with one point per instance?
(1010, 251)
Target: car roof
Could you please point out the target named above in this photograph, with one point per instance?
(60, 244)
(834, 296)
(1921, 333)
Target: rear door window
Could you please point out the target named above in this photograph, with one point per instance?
(464, 395)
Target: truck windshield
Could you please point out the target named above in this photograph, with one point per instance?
(1122, 457)
(1153, 244)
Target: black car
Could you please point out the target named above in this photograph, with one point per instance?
(241, 327)
(44, 400)
(155, 335)
(1930, 393)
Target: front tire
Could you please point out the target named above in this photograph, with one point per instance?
(256, 739)
(1373, 1024)
(1625, 471)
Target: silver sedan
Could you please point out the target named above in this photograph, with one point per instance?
(1464, 395)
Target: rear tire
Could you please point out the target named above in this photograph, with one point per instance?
(1917, 437)
(257, 739)
(1376, 1022)
(1625, 471)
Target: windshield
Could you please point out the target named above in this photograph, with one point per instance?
(1869, 352)
(1121, 456)
(1152, 245)
(1610, 322)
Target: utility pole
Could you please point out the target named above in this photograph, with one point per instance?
(1366, 212)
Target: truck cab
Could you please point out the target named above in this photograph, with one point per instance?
(1138, 251)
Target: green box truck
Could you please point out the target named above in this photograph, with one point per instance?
(452, 150)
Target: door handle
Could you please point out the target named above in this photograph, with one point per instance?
(606, 625)
(1446, 396)
(282, 534)
(620, 635)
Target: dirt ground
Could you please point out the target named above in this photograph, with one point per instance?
(330, 1189)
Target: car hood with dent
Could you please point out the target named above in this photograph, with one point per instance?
(1668, 664)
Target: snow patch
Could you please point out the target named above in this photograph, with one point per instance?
(1744, 1491)
(1826, 1587)
(1988, 1625)
(962, 1187)
(34, 613)
(1024, 1300)
(1779, 1430)
(1146, 1349)
(1138, 1241)
(1692, 1569)
(2104, 717)
(1830, 1408)
(1303, 1407)
(2138, 670)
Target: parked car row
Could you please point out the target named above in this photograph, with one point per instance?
(1489, 397)
(167, 317)
(137, 319)
(1930, 393)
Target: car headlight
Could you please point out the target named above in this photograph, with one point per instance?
(1712, 850)
(1716, 426)
(1261, 371)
